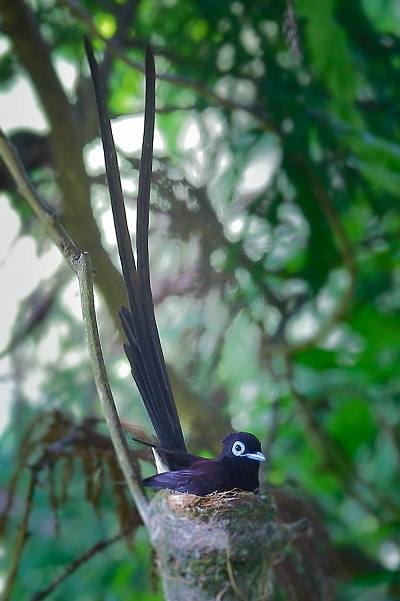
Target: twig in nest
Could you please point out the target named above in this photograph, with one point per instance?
(231, 575)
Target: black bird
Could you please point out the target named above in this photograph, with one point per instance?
(238, 465)
(236, 468)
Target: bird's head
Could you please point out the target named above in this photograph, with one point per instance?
(242, 445)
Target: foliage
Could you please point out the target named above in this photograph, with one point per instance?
(275, 261)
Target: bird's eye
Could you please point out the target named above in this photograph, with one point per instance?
(238, 448)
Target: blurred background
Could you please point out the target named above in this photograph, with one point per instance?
(275, 263)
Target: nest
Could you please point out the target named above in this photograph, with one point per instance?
(221, 546)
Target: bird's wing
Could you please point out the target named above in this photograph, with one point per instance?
(143, 349)
(181, 481)
(202, 478)
(182, 459)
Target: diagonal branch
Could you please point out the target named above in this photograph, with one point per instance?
(20, 24)
(177, 80)
(77, 562)
(66, 140)
(81, 265)
(368, 496)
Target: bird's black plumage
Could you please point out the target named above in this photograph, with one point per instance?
(236, 468)
(238, 465)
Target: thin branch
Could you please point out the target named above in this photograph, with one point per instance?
(205, 221)
(81, 265)
(277, 343)
(369, 497)
(345, 249)
(22, 536)
(67, 137)
(76, 563)
(177, 80)
(20, 24)
(331, 214)
(44, 460)
(231, 576)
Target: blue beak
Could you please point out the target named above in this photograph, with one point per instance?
(257, 456)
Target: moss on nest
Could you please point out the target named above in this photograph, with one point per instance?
(224, 542)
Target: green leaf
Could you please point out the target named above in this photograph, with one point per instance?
(329, 47)
(352, 424)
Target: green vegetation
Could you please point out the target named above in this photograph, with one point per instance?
(275, 254)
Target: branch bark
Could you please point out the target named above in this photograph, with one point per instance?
(81, 265)
(20, 24)
(218, 548)
(208, 548)
(67, 144)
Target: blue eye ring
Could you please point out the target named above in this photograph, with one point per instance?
(238, 448)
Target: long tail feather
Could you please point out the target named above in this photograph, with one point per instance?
(143, 350)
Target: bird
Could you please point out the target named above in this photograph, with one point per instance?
(237, 467)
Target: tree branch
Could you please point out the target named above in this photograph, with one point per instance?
(362, 491)
(76, 563)
(81, 265)
(66, 140)
(177, 80)
(20, 24)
